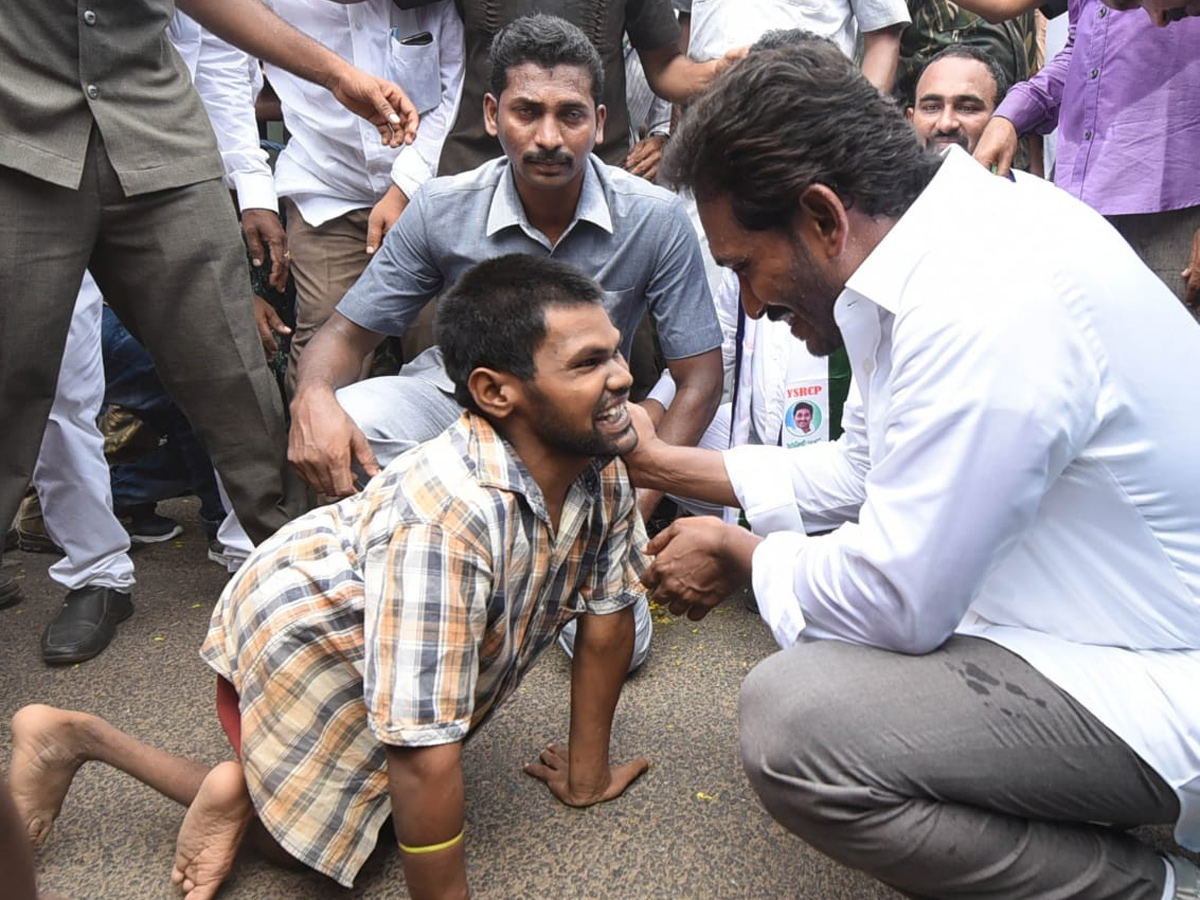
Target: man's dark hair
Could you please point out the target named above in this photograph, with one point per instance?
(783, 37)
(782, 120)
(804, 404)
(547, 41)
(979, 55)
(495, 316)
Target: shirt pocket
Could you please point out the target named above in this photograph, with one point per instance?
(417, 69)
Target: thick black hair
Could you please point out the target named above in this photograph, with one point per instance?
(547, 41)
(495, 316)
(784, 119)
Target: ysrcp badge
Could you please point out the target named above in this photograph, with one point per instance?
(804, 417)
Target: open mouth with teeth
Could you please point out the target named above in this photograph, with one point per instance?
(615, 416)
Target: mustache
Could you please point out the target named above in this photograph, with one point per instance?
(552, 157)
(611, 398)
(958, 136)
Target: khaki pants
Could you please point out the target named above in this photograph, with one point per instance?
(326, 261)
(961, 773)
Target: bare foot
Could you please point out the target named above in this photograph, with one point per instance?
(48, 749)
(212, 831)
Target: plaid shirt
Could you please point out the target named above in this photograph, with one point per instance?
(405, 615)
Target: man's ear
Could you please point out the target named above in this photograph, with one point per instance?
(824, 219)
(490, 107)
(911, 110)
(496, 393)
(601, 116)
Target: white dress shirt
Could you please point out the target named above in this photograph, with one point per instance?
(334, 162)
(1031, 471)
(720, 25)
(228, 81)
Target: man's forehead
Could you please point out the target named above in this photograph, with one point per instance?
(563, 82)
(957, 76)
(575, 327)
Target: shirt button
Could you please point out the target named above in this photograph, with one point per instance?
(89, 17)
(1095, 73)
(93, 91)
(1103, 11)
(1087, 135)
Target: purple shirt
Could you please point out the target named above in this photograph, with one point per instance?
(1126, 98)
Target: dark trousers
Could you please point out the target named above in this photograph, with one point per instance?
(172, 267)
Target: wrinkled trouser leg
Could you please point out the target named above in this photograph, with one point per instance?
(961, 773)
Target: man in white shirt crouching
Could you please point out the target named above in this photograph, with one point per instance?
(990, 664)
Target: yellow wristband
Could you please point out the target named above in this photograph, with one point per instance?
(434, 848)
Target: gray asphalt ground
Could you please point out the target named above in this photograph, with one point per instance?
(690, 828)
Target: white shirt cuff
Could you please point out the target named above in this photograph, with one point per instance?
(761, 477)
(255, 191)
(772, 575)
(409, 171)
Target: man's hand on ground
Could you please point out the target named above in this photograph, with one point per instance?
(698, 562)
(380, 102)
(555, 769)
(383, 216)
(269, 325)
(262, 226)
(997, 145)
(322, 443)
(1191, 275)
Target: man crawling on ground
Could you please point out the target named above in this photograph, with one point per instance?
(359, 646)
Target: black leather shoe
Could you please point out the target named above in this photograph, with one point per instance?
(85, 624)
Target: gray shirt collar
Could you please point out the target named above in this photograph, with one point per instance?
(506, 209)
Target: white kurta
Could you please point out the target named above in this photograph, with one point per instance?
(1030, 466)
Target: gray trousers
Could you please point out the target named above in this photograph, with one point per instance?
(962, 773)
(1163, 241)
(172, 267)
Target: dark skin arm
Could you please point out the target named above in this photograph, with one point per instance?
(323, 439)
(697, 396)
(881, 55)
(657, 465)
(698, 561)
(579, 774)
(675, 77)
(262, 227)
(269, 325)
(384, 215)
(426, 787)
(253, 27)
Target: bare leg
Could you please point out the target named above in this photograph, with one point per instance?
(49, 746)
